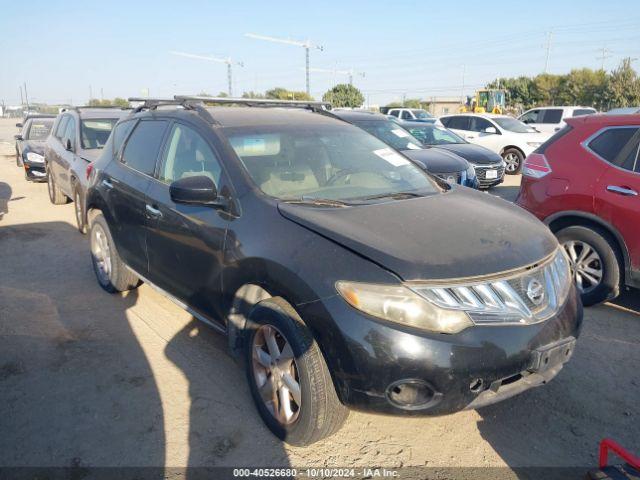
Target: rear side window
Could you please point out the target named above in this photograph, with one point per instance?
(141, 150)
(460, 123)
(553, 115)
(553, 139)
(479, 124)
(394, 113)
(578, 112)
(406, 116)
(618, 146)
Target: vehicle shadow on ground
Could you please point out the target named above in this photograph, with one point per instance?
(76, 388)
(505, 192)
(579, 407)
(5, 197)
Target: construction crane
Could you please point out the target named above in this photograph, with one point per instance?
(211, 58)
(307, 45)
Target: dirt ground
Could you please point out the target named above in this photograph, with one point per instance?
(92, 379)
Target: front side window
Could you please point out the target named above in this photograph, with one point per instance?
(433, 135)
(618, 146)
(39, 129)
(551, 115)
(513, 125)
(406, 115)
(479, 124)
(328, 161)
(394, 112)
(120, 133)
(391, 133)
(141, 150)
(421, 114)
(94, 132)
(187, 154)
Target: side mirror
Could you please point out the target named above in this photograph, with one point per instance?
(196, 190)
(490, 130)
(19, 125)
(18, 137)
(67, 144)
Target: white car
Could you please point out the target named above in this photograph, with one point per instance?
(508, 137)
(411, 114)
(551, 119)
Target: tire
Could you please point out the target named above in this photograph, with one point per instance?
(514, 159)
(319, 413)
(55, 194)
(78, 206)
(606, 260)
(18, 159)
(110, 270)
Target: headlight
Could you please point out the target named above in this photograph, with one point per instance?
(528, 297)
(534, 144)
(35, 157)
(399, 304)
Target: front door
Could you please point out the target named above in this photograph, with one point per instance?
(185, 242)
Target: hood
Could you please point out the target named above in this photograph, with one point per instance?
(456, 234)
(35, 146)
(475, 154)
(438, 160)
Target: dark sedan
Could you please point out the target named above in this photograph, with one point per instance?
(442, 163)
(30, 145)
(488, 165)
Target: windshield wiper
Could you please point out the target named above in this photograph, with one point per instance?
(321, 202)
(394, 195)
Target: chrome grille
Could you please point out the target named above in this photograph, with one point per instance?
(528, 297)
(481, 173)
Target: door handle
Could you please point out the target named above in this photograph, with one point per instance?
(153, 212)
(627, 192)
(107, 184)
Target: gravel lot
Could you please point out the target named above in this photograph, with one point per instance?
(92, 379)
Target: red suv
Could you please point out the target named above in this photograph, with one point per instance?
(584, 183)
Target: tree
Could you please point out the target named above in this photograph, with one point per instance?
(120, 102)
(344, 95)
(252, 94)
(624, 86)
(280, 93)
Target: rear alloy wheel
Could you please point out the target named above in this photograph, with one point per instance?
(79, 211)
(513, 159)
(595, 263)
(55, 194)
(289, 378)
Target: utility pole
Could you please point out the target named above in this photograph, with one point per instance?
(21, 97)
(101, 94)
(306, 45)
(605, 53)
(26, 96)
(462, 101)
(548, 47)
(210, 58)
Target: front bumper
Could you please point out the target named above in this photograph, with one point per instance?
(34, 171)
(476, 367)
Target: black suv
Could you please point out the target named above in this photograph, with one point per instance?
(77, 138)
(30, 145)
(346, 275)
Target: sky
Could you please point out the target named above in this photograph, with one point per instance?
(64, 51)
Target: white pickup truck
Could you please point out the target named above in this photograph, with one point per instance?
(409, 114)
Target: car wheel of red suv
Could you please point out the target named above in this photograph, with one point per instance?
(594, 261)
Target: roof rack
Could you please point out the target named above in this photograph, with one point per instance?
(87, 107)
(154, 103)
(257, 102)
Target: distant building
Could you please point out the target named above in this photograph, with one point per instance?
(443, 105)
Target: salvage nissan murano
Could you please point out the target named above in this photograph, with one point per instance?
(344, 276)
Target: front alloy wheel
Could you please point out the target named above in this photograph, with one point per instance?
(512, 160)
(101, 253)
(276, 374)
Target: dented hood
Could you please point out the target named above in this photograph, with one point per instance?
(459, 233)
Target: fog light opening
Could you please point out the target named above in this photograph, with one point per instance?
(410, 394)
(476, 385)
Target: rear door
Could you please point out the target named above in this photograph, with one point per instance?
(127, 180)
(477, 134)
(54, 148)
(66, 157)
(617, 197)
(185, 242)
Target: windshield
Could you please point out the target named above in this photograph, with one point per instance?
(421, 114)
(39, 129)
(336, 162)
(434, 135)
(513, 125)
(390, 133)
(94, 132)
